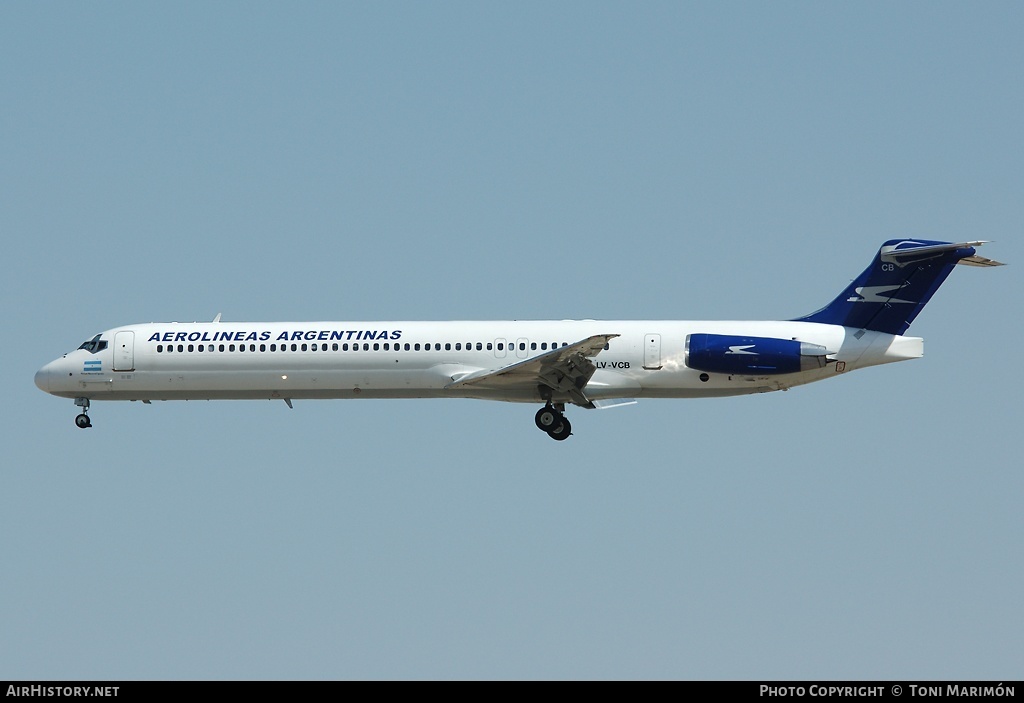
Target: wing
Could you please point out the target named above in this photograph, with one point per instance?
(565, 370)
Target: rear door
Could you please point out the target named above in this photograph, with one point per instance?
(652, 352)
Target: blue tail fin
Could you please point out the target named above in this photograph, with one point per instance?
(897, 285)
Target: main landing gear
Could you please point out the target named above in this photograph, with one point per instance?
(551, 420)
(82, 420)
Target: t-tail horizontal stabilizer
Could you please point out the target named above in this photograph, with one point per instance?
(897, 285)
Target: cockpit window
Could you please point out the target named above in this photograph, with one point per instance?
(94, 345)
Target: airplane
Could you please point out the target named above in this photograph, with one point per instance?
(586, 363)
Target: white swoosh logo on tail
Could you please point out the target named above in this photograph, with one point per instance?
(875, 294)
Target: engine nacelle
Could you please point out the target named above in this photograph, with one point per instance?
(732, 354)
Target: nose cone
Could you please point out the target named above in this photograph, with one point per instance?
(43, 378)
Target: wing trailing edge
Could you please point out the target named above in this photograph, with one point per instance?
(565, 370)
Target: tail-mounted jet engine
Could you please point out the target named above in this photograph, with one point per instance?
(732, 354)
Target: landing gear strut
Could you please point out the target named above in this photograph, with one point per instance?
(551, 420)
(82, 420)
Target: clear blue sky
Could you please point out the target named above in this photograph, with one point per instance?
(289, 161)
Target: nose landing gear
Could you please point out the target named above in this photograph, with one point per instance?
(551, 420)
(82, 419)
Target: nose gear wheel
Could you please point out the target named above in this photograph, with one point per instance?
(82, 419)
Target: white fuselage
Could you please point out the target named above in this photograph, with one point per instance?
(295, 360)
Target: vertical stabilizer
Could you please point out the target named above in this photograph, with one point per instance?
(897, 285)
